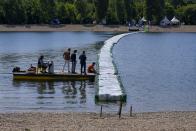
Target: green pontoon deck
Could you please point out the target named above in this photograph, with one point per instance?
(52, 77)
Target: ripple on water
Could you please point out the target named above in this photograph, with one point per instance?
(158, 71)
(46, 96)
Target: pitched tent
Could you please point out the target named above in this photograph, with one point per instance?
(175, 21)
(165, 22)
(142, 21)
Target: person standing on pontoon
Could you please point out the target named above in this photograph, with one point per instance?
(66, 56)
(73, 62)
(83, 62)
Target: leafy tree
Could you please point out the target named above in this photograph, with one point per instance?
(112, 13)
(48, 10)
(149, 9)
(71, 12)
(81, 10)
(154, 10)
(84, 11)
(169, 11)
(188, 14)
(177, 3)
(139, 9)
(130, 9)
(101, 7)
(2, 12)
(14, 12)
(120, 10)
(33, 11)
(90, 13)
(161, 9)
(62, 12)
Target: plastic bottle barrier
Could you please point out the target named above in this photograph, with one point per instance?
(109, 87)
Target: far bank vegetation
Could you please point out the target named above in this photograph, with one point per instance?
(95, 11)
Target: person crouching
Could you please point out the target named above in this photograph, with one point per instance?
(91, 68)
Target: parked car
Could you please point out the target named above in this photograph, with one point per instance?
(55, 22)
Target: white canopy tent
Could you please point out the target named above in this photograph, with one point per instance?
(142, 21)
(165, 22)
(175, 21)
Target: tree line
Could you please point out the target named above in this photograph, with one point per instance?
(99, 11)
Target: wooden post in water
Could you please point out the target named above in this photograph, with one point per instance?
(101, 111)
(131, 109)
(120, 110)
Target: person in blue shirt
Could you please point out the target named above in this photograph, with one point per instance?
(83, 62)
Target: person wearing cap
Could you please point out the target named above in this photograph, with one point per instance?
(66, 56)
(91, 68)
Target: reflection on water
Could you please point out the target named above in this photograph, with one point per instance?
(23, 49)
(72, 91)
(45, 88)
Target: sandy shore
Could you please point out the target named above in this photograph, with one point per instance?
(93, 28)
(168, 121)
(185, 28)
(39, 28)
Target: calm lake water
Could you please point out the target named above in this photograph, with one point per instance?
(23, 49)
(158, 71)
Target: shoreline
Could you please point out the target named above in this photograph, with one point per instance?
(62, 28)
(89, 28)
(52, 121)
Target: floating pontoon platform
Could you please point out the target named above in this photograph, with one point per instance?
(52, 77)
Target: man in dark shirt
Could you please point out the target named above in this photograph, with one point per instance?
(73, 61)
(83, 62)
(41, 64)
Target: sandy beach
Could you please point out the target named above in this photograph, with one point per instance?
(183, 28)
(163, 121)
(93, 28)
(44, 28)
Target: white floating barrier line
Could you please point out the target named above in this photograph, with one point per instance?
(109, 86)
